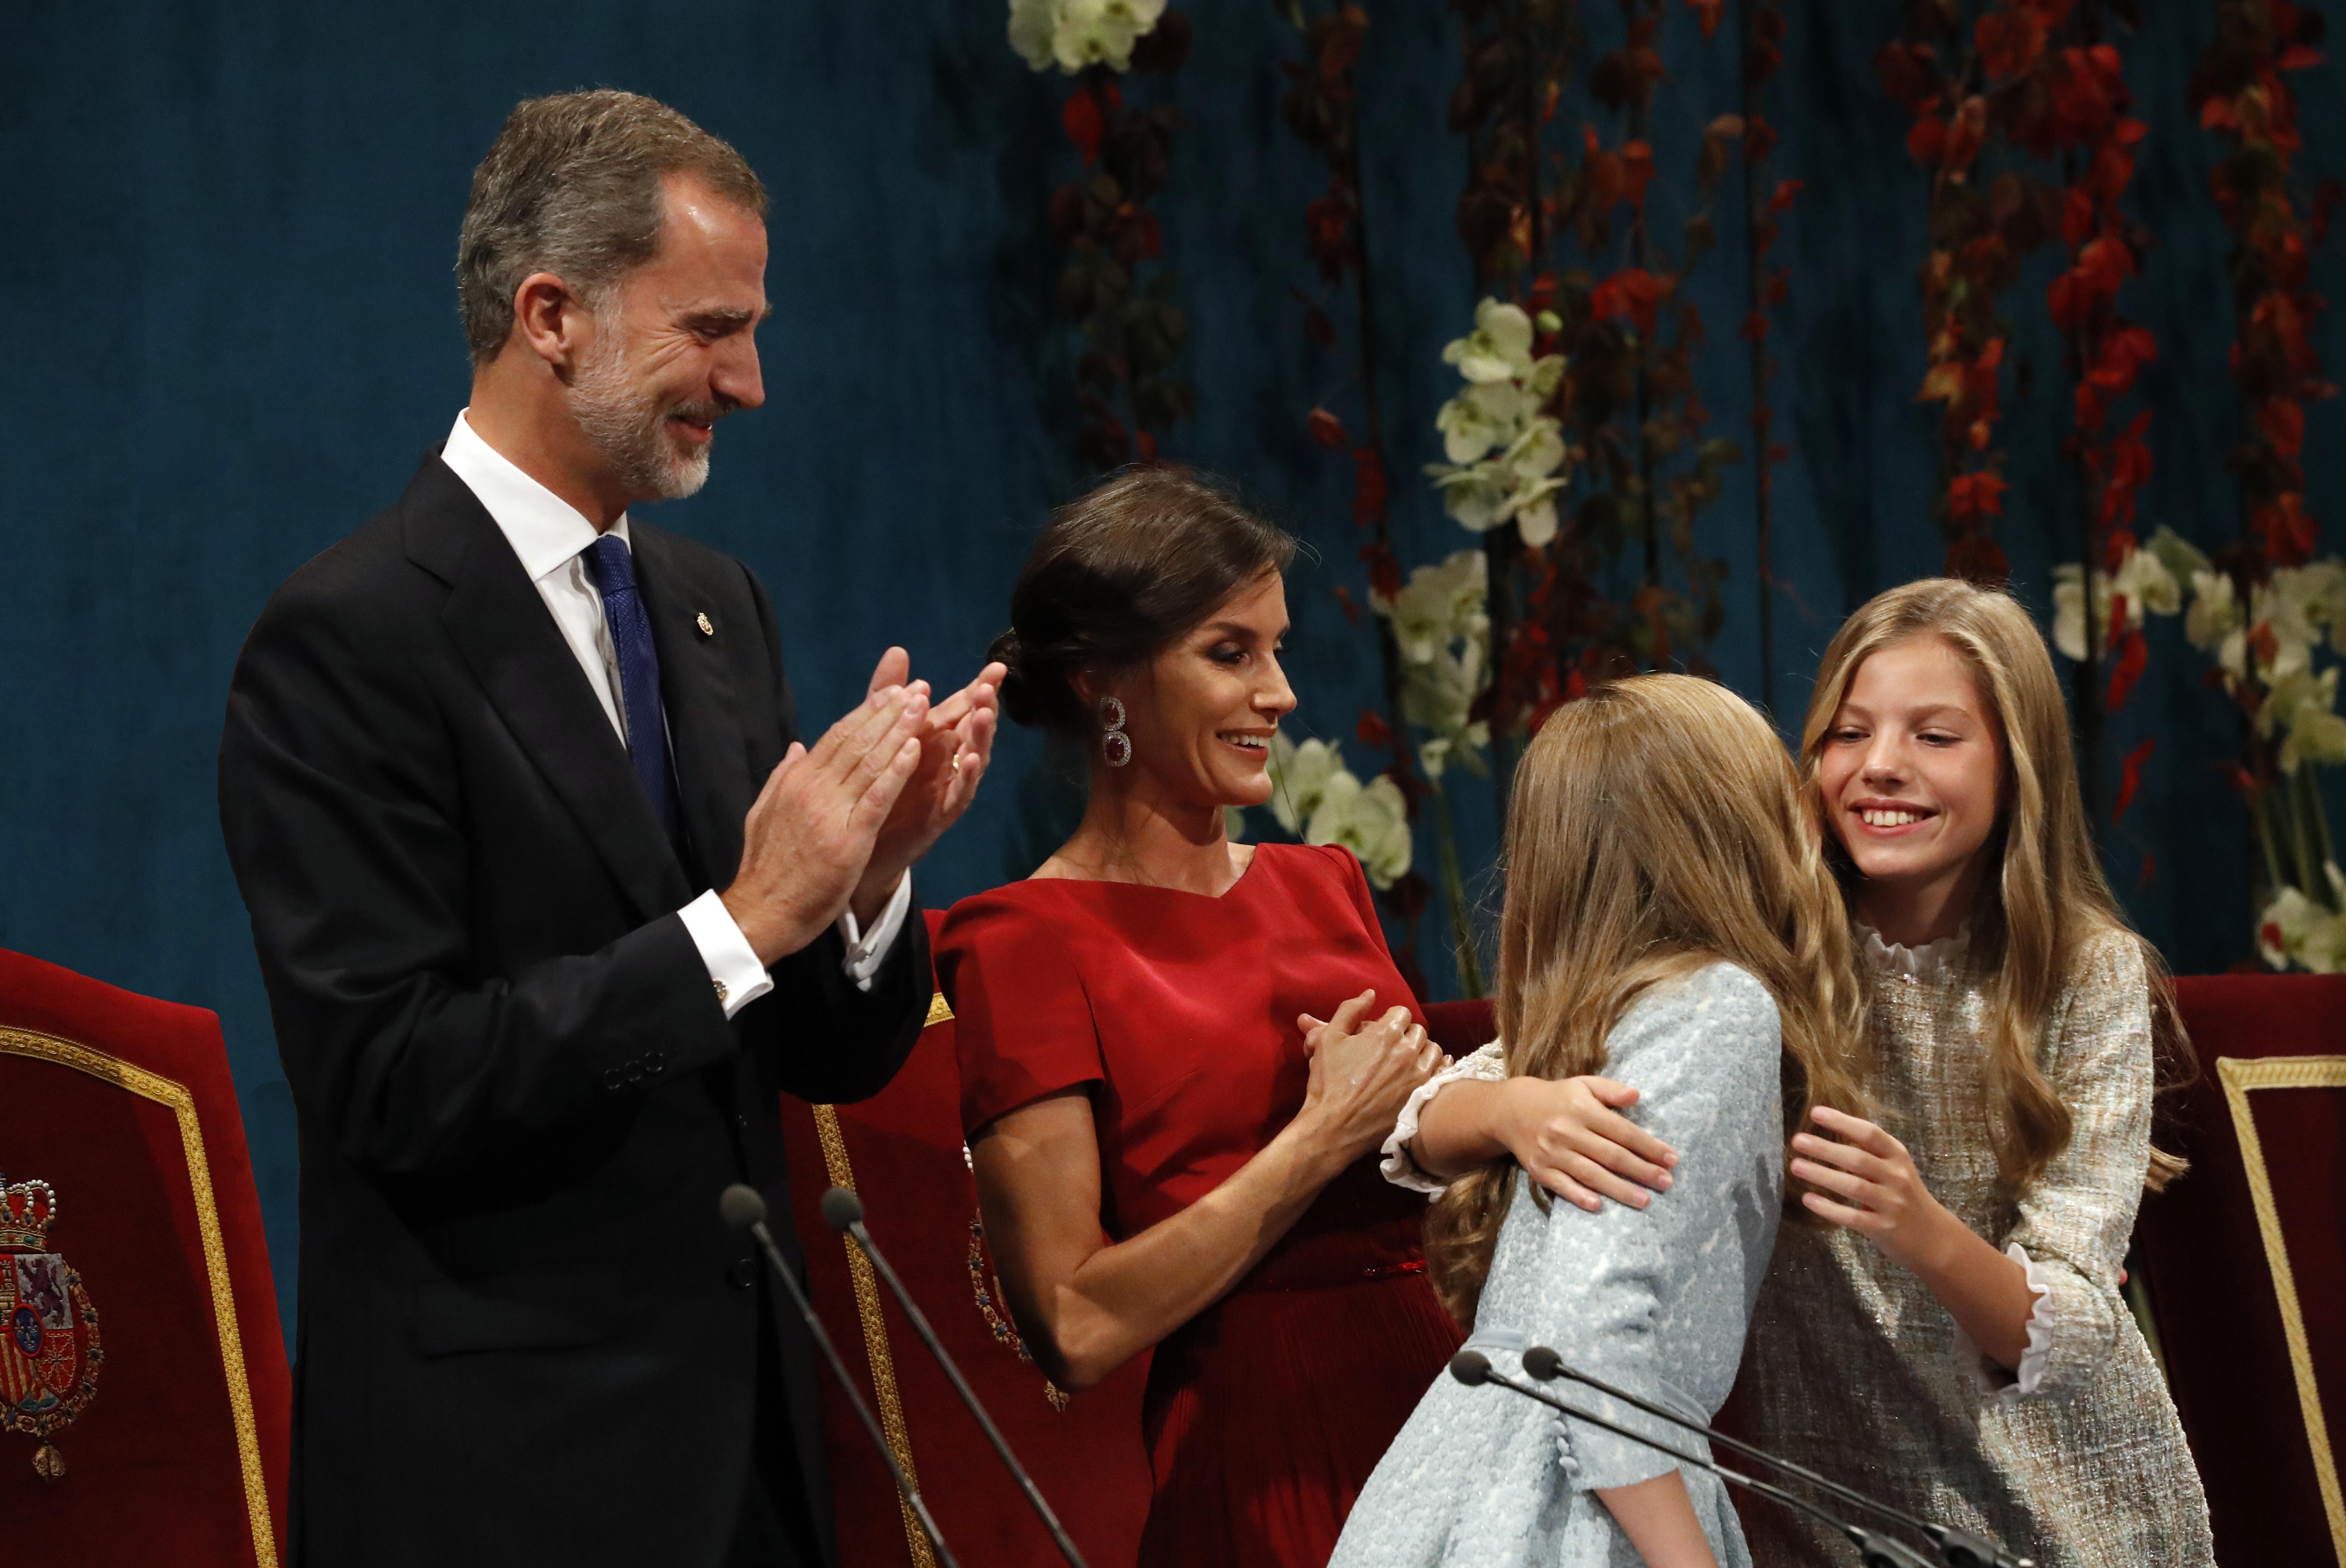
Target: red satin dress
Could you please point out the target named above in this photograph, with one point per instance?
(1265, 1413)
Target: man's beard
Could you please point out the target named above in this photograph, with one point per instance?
(628, 424)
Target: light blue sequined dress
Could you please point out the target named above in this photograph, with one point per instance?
(1652, 1301)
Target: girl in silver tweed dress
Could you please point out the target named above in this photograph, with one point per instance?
(1954, 1340)
(1666, 919)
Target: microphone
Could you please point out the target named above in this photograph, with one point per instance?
(1473, 1369)
(1957, 1548)
(744, 1210)
(844, 1212)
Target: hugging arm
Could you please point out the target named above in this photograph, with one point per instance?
(1568, 1135)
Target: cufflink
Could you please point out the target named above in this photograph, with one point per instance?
(722, 993)
(702, 621)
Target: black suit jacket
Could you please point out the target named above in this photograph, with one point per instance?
(525, 1333)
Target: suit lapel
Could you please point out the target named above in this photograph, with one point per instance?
(509, 641)
(704, 717)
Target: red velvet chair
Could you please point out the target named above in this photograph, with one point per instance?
(2245, 1261)
(130, 1208)
(902, 1152)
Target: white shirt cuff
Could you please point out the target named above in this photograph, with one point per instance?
(1488, 1065)
(1995, 1383)
(732, 963)
(867, 951)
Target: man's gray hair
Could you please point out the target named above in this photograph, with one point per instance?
(572, 186)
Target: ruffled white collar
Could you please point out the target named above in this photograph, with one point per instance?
(1932, 960)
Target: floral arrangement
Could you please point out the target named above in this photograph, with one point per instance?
(1571, 375)
(1321, 108)
(2262, 604)
(1132, 331)
(1076, 34)
(1964, 88)
(2264, 644)
(1440, 620)
(1319, 799)
(1505, 451)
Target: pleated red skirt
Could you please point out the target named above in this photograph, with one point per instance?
(1265, 1413)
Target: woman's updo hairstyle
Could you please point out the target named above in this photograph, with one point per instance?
(1116, 577)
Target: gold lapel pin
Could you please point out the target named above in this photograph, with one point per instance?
(701, 620)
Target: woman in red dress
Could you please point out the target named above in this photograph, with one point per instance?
(1170, 1150)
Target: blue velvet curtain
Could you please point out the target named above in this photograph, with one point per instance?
(230, 333)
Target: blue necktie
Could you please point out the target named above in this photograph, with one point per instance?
(613, 569)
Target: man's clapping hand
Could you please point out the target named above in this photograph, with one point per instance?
(837, 826)
(956, 743)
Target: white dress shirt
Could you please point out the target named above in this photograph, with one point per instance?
(551, 537)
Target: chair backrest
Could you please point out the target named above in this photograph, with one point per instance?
(1458, 1027)
(2245, 1261)
(902, 1152)
(142, 1368)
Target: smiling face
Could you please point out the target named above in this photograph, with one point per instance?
(1910, 776)
(674, 348)
(1202, 713)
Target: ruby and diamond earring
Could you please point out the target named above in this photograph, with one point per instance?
(1115, 746)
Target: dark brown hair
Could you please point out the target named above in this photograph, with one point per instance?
(572, 186)
(1117, 576)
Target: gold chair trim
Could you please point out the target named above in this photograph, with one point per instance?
(842, 1171)
(166, 1091)
(2239, 1075)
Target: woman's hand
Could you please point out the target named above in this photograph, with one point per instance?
(1571, 1138)
(1880, 1195)
(1362, 1074)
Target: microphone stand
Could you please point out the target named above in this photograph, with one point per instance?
(844, 1212)
(1957, 1548)
(744, 1209)
(1472, 1367)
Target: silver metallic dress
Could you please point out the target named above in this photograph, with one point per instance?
(1856, 1370)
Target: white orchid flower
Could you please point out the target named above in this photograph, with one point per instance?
(1299, 777)
(2183, 559)
(2296, 930)
(2148, 587)
(2233, 655)
(1439, 605)
(1481, 419)
(2290, 604)
(1472, 494)
(2069, 607)
(2305, 706)
(1537, 522)
(2215, 612)
(1498, 349)
(1034, 24)
(1075, 33)
(2142, 577)
(1371, 819)
(2307, 596)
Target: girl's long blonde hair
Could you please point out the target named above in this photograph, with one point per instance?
(2045, 897)
(1655, 826)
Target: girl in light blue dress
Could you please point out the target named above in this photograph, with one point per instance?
(1669, 924)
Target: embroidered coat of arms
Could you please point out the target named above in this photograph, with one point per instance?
(49, 1353)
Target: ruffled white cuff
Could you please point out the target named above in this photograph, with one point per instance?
(1488, 1065)
(1998, 1384)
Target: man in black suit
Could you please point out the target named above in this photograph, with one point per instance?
(553, 904)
